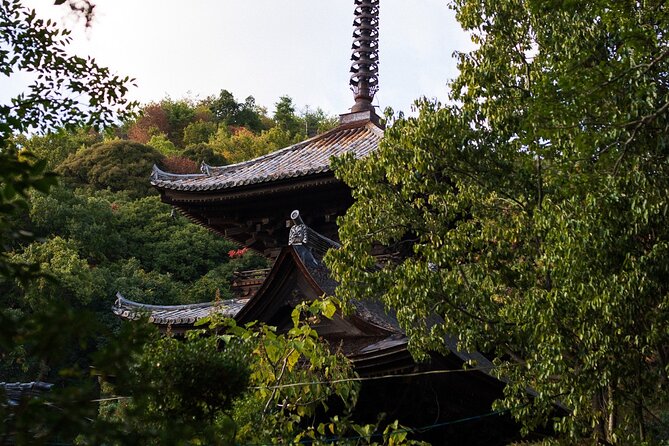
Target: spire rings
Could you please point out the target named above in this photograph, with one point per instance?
(364, 78)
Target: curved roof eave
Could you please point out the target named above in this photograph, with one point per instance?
(306, 158)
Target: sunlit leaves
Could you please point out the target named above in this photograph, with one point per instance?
(66, 90)
(534, 210)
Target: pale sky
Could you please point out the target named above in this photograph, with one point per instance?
(265, 48)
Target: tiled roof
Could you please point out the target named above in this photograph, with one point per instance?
(15, 392)
(175, 314)
(309, 157)
(308, 273)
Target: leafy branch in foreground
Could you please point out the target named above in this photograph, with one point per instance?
(65, 90)
(535, 208)
(244, 385)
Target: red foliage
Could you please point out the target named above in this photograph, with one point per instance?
(153, 120)
(179, 164)
(237, 253)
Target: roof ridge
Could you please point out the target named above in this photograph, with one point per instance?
(309, 157)
(120, 300)
(159, 174)
(339, 128)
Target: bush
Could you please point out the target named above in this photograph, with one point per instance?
(204, 152)
(116, 165)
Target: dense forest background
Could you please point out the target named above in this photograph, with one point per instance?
(533, 204)
(103, 229)
(89, 226)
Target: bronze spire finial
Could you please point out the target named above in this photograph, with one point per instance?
(365, 67)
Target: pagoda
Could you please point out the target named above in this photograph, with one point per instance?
(249, 202)
(284, 205)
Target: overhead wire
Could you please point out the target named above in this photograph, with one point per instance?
(374, 378)
(420, 430)
(337, 439)
(352, 379)
(340, 439)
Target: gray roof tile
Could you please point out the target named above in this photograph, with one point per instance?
(175, 314)
(309, 157)
(16, 392)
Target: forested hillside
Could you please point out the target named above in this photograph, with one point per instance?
(528, 213)
(103, 229)
(80, 222)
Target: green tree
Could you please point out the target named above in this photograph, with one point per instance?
(19, 176)
(198, 132)
(66, 277)
(117, 165)
(162, 144)
(56, 146)
(227, 111)
(249, 115)
(88, 220)
(284, 115)
(204, 152)
(224, 107)
(180, 114)
(530, 213)
(187, 252)
(240, 146)
(317, 121)
(139, 283)
(244, 144)
(276, 138)
(180, 388)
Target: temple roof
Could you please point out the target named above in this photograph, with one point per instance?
(175, 314)
(16, 392)
(303, 159)
(297, 275)
(300, 275)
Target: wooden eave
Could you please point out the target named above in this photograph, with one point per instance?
(251, 191)
(256, 215)
(289, 283)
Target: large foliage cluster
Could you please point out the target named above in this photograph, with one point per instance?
(68, 247)
(115, 165)
(231, 385)
(92, 244)
(531, 212)
(220, 130)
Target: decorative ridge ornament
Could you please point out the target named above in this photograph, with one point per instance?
(365, 67)
(302, 235)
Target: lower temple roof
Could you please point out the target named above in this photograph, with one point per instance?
(17, 392)
(175, 314)
(297, 275)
